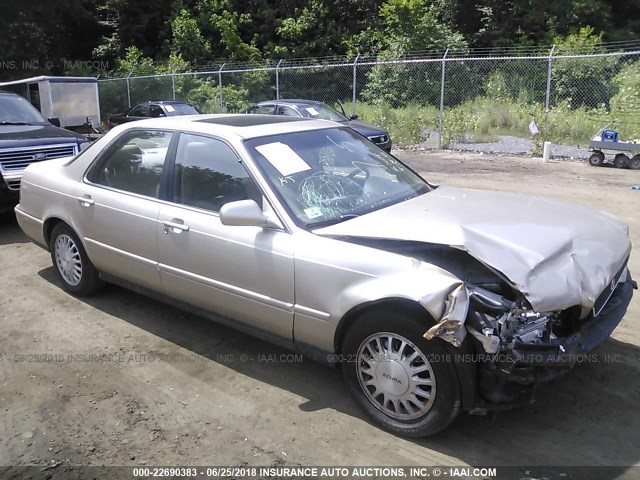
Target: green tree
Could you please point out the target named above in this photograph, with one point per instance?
(525, 22)
(416, 25)
(411, 25)
(40, 37)
(145, 24)
(187, 39)
(580, 81)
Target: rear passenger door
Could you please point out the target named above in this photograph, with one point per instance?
(117, 206)
(245, 273)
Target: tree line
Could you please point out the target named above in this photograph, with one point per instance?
(92, 36)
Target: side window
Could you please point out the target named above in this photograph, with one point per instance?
(155, 111)
(208, 174)
(134, 163)
(264, 109)
(287, 111)
(140, 111)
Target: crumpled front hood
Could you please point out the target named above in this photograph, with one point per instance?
(557, 254)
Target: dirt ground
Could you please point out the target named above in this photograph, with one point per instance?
(119, 379)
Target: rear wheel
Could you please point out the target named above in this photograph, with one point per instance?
(621, 160)
(406, 384)
(71, 263)
(634, 163)
(596, 159)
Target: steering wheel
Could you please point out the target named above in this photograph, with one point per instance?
(327, 190)
(359, 168)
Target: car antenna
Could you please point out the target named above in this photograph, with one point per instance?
(342, 108)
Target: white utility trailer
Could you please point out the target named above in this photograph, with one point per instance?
(73, 101)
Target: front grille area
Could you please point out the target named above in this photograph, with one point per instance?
(379, 139)
(15, 160)
(604, 297)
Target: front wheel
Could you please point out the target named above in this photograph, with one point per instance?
(406, 384)
(596, 159)
(71, 263)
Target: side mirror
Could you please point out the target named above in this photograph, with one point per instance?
(353, 117)
(245, 213)
(54, 121)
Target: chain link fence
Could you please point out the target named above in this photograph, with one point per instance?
(450, 100)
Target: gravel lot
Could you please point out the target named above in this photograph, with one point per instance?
(507, 145)
(174, 389)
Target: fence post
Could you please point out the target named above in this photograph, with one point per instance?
(173, 83)
(278, 79)
(128, 91)
(220, 84)
(548, 100)
(353, 100)
(547, 103)
(441, 114)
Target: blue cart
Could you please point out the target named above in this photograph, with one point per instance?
(625, 154)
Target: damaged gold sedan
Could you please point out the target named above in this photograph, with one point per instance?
(433, 300)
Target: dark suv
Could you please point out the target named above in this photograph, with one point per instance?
(314, 109)
(26, 137)
(166, 108)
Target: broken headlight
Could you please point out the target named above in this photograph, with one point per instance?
(498, 323)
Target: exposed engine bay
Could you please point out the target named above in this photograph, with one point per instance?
(498, 323)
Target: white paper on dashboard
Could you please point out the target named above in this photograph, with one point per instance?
(312, 111)
(169, 108)
(283, 158)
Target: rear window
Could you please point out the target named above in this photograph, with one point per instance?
(180, 109)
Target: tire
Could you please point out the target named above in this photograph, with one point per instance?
(597, 159)
(71, 263)
(621, 161)
(634, 163)
(442, 404)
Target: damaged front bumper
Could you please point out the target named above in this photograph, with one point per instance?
(565, 352)
(511, 378)
(516, 348)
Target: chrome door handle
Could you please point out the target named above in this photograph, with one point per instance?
(85, 201)
(174, 226)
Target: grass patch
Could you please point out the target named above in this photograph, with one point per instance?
(405, 125)
(481, 121)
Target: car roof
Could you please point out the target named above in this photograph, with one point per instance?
(4, 92)
(291, 101)
(238, 125)
(164, 102)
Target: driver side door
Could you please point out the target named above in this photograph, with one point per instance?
(242, 272)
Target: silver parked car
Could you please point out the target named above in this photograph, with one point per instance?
(433, 300)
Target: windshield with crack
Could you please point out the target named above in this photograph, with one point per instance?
(327, 176)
